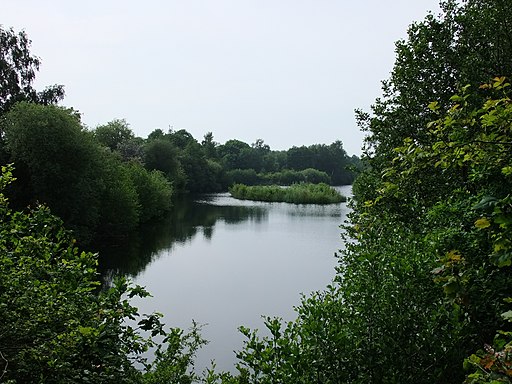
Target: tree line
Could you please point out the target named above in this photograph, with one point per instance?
(104, 182)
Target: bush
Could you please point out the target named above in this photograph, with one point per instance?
(57, 327)
(243, 176)
(154, 191)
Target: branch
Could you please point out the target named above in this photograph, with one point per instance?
(6, 365)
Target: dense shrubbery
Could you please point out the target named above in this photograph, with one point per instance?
(153, 192)
(289, 177)
(58, 328)
(284, 177)
(296, 193)
(329, 163)
(90, 187)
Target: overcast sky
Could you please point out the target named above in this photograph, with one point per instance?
(290, 72)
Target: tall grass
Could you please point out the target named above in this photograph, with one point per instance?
(297, 193)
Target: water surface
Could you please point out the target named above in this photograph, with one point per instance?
(224, 263)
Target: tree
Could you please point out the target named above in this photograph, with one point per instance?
(432, 204)
(475, 241)
(17, 73)
(181, 138)
(230, 153)
(118, 137)
(57, 327)
(196, 168)
(120, 207)
(300, 158)
(331, 159)
(59, 162)
(89, 186)
(113, 134)
(162, 155)
(209, 146)
(469, 43)
(156, 134)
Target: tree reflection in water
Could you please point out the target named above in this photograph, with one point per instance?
(187, 219)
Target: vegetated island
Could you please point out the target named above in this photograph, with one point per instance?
(303, 193)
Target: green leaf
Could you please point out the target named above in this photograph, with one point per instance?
(451, 287)
(507, 171)
(486, 202)
(482, 223)
(433, 106)
(507, 315)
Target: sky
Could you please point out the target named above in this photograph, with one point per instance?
(290, 72)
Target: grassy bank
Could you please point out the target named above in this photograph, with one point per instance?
(296, 193)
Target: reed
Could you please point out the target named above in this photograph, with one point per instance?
(303, 193)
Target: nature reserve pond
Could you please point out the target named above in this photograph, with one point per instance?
(224, 263)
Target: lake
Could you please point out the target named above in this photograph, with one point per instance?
(224, 263)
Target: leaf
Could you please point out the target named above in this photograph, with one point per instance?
(486, 202)
(454, 255)
(507, 171)
(85, 331)
(433, 106)
(507, 315)
(451, 287)
(502, 258)
(482, 223)
(489, 363)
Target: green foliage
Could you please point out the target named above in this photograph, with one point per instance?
(162, 155)
(113, 134)
(473, 141)
(202, 175)
(154, 191)
(243, 176)
(209, 146)
(286, 167)
(493, 364)
(288, 177)
(232, 153)
(59, 164)
(17, 73)
(304, 351)
(185, 162)
(57, 327)
(175, 363)
(438, 157)
(284, 177)
(91, 188)
(119, 201)
(331, 159)
(296, 193)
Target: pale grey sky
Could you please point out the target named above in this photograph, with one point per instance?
(290, 72)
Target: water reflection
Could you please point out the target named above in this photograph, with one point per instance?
(188, 219)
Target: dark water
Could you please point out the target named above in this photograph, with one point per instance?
(225, 263)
